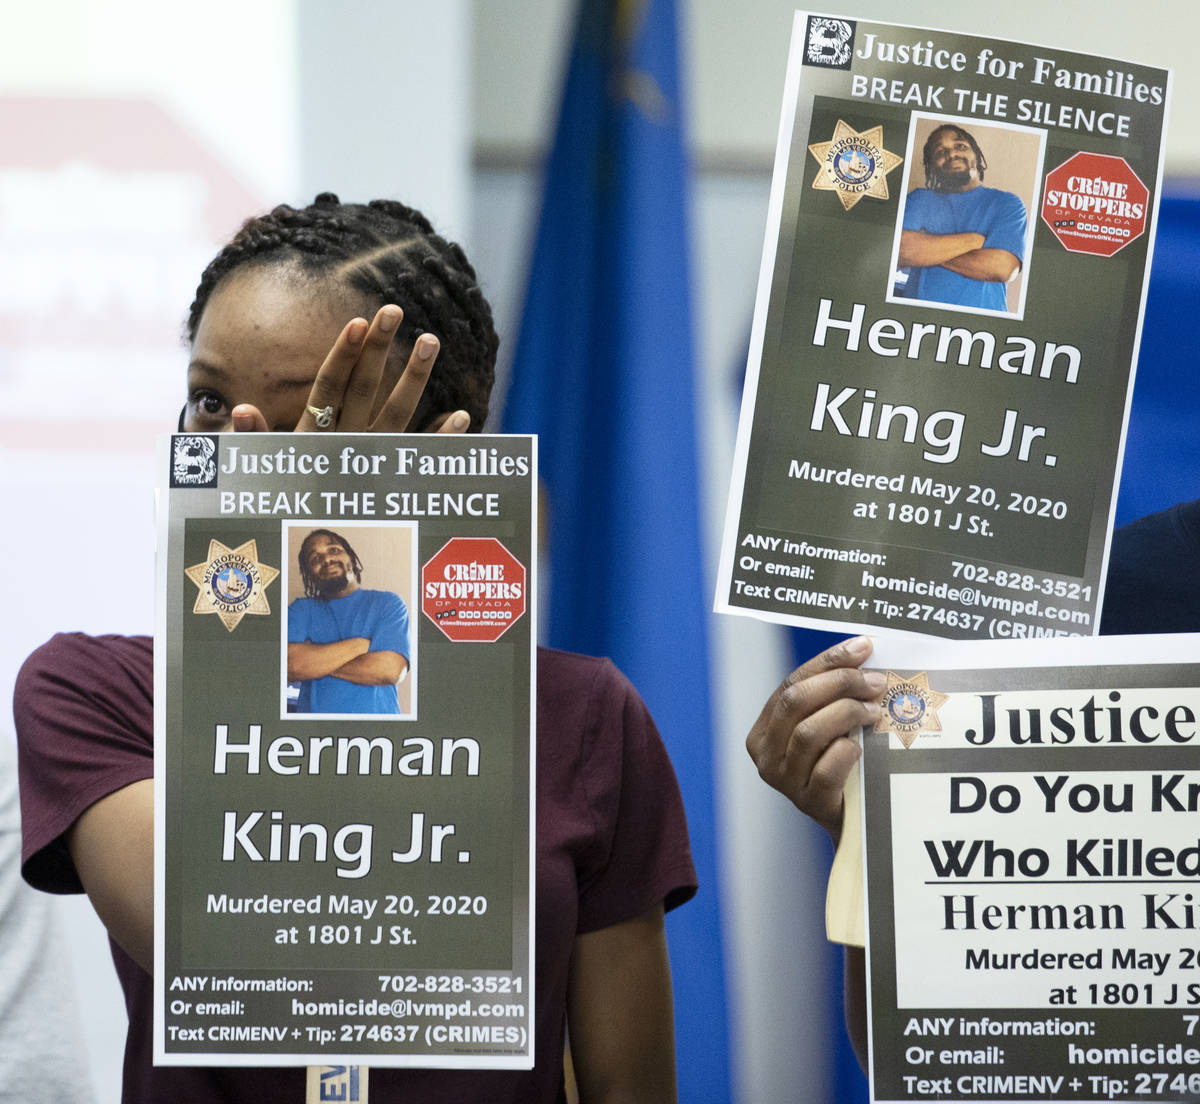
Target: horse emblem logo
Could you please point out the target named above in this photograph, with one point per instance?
(830, 42)
(193, 461)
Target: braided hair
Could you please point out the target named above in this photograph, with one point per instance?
(311, 590)
(933, 179)
(390, 254)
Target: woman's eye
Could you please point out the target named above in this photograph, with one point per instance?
(209, 405)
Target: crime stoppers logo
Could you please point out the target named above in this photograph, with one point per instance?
(1095, 203)
(853, 164)
(232, 582)
(473, 589)
(193, 460)
(829, 43)
(909, 707)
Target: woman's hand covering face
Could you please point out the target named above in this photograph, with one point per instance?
(349, 380)
(273, 351)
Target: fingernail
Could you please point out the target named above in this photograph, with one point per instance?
(459, 420)
(873, 709)
(859, 647)
(389, 318)
(357, 330)
(242, 418)
(876, 681)
(427, 345)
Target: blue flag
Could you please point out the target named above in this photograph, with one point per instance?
(604, 374)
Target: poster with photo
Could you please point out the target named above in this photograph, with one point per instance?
(1030, 812)
(344, 750)
(945, 334)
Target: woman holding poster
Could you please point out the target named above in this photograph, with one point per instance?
(802, 742)
(295, 326)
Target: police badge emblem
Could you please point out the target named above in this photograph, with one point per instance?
(854, 164)
(909, 707)
(232, 582)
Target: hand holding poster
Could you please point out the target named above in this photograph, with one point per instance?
(1031, 826)
(943, 345)
(344, 759)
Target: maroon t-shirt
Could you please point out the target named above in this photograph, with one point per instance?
(611, 843)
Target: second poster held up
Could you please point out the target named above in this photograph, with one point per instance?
(947, 320)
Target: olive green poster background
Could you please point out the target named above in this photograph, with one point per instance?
(956, 542)
(388, 958)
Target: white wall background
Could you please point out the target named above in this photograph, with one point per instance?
(447, 104)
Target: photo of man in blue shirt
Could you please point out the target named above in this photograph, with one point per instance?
(348, 646)
(961, 241)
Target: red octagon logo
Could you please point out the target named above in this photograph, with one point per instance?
(1095, 203)
(473, 589)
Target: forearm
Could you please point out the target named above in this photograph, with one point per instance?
(373, 669)
(112, 846)
(996, 266)
(620, 1014)
(920, 249)
(312, 661)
